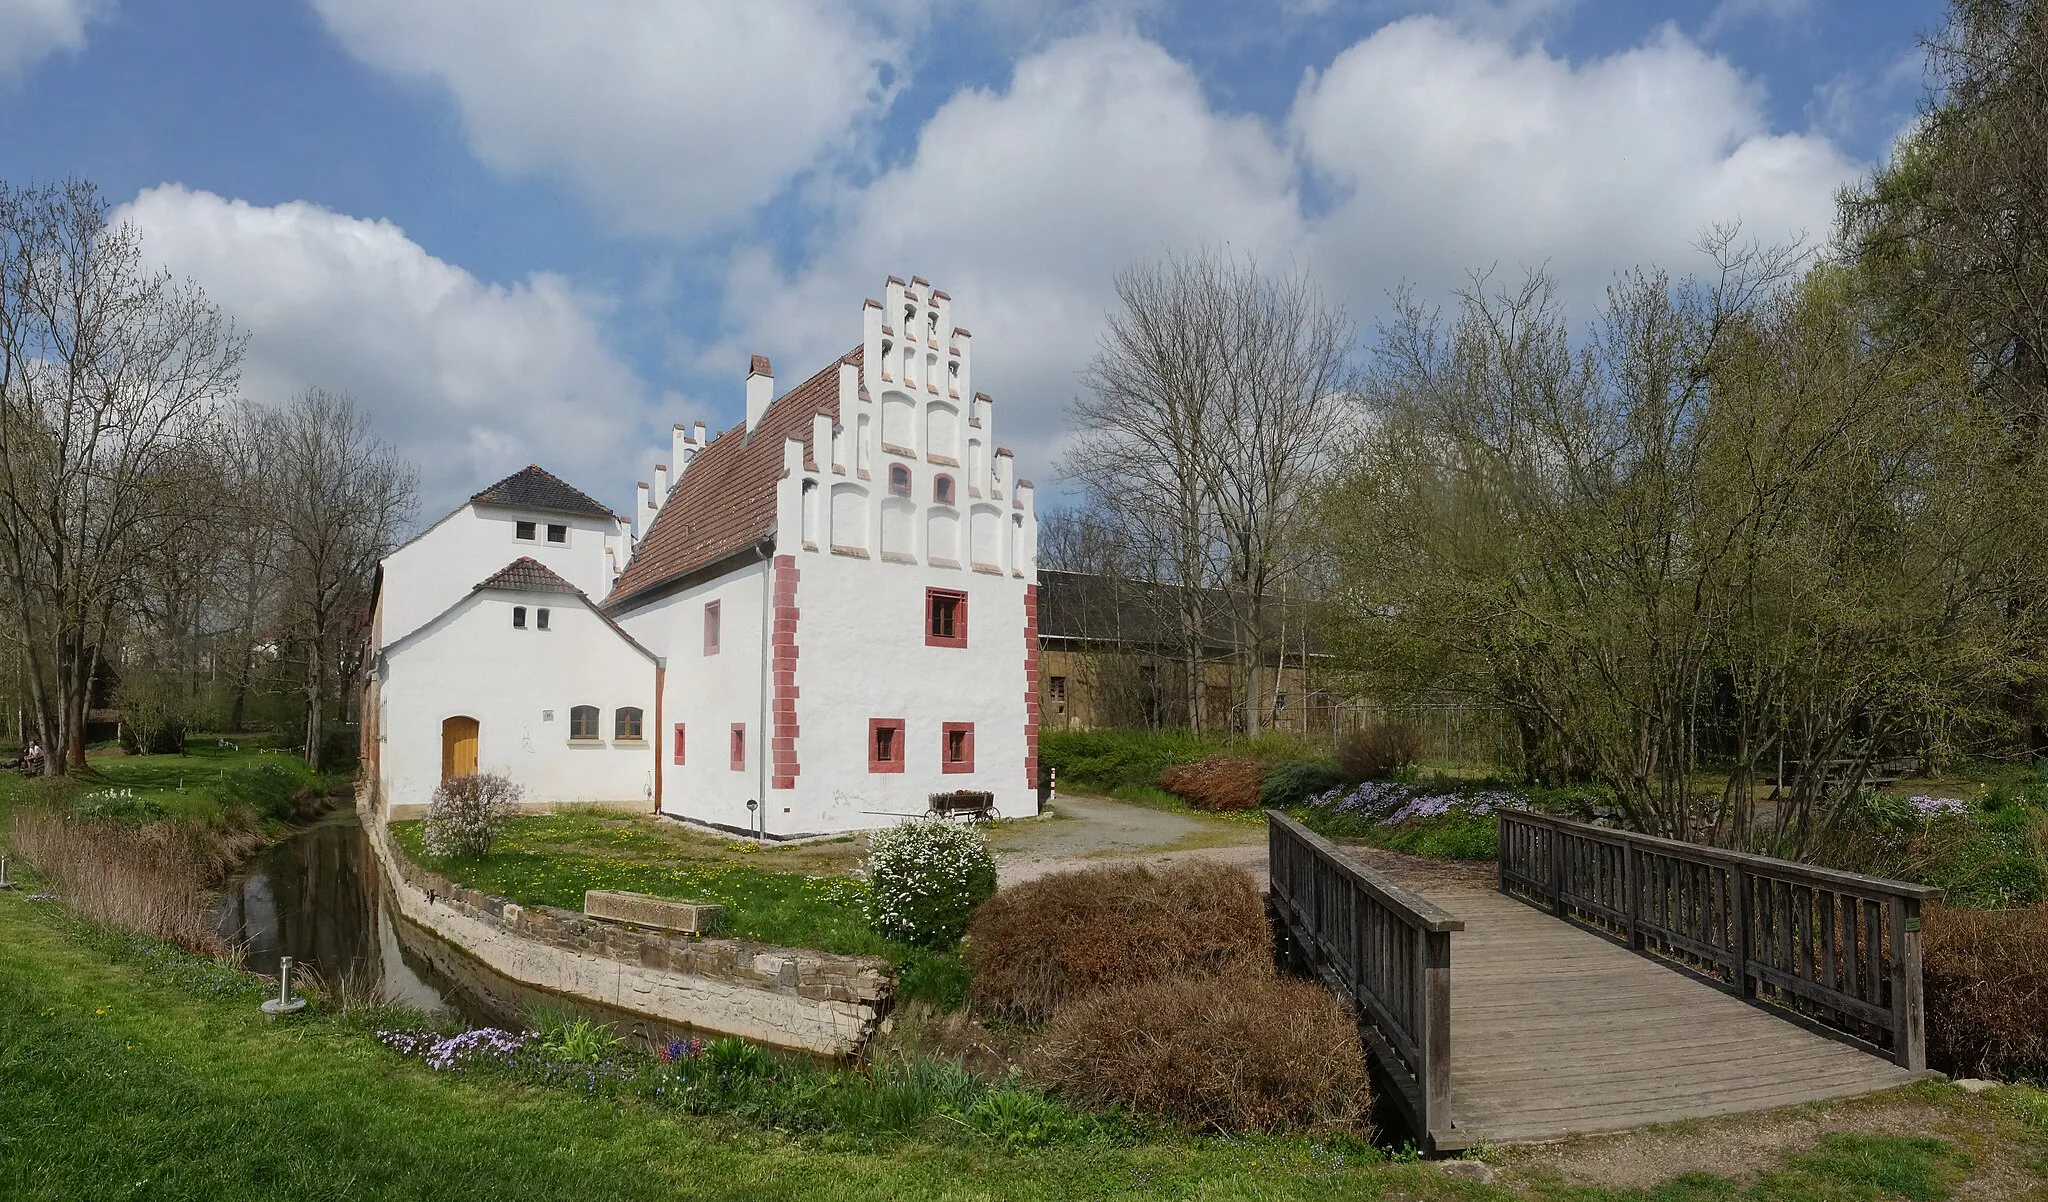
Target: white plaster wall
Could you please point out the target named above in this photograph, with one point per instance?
(442, 565)
(708, 693)
(472, 661)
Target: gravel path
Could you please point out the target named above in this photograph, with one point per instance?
(1086, 831)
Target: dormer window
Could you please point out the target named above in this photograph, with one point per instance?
(558, 533)
(899, 480)
(523, 531)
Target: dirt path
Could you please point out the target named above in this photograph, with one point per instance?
(1085, 831)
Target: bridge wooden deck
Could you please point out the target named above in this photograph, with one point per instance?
(1604, 980)
(1557, 1031)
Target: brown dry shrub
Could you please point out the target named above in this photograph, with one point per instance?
(1379, 750)
(1219, 782)
(1243, 1053)
(1036, 946)
(1986, 979)
(151, 878)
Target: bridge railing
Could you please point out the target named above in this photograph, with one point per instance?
(1834, 947)
(1384, 948)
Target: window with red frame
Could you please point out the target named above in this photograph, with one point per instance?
(942, 490)
(885, 744)
(711, 628)
(679, 742)
(739, 747)
(956, 747)
(899, 480)
(945, 618)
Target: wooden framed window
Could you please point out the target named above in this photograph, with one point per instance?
(945, 618)
(956, 747)
(739, 747)
(711, 628)
(885, 744)
(540, 619)
(1056, 689)
(679, 742)
(558, 533)
(626, 723)
(523, 531)
(519, 617)
(583, 724)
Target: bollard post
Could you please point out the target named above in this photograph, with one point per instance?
(4, 882)
(284, 1002)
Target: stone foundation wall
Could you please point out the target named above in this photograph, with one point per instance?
(793, 998)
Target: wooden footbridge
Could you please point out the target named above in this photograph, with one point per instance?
(1609, 981)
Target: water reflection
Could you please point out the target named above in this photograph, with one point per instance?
(315, 897)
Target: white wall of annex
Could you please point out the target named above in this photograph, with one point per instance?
(474, 662)
(441, 566)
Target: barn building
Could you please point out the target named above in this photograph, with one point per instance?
(819, 618)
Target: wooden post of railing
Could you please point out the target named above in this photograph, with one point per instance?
(1909, 1018)
(1630, 903)
(1556, 841)
(1435, 949)
(1738, 883)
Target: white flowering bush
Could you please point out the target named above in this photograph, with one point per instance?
(925, 879)
(468, 813)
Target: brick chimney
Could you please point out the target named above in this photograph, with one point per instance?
(760, 390)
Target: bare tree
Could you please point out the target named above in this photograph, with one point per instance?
(342, 499)
(1214, 402)
(110, 376)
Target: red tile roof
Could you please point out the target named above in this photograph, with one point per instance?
(534, 487)
(726, 497)
(528, 575)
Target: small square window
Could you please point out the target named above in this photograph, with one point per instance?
(557, 533)
(945, 614)
(523, 531)
(885, 744)
(956, 747)
(519, 617)
(711, 628)
(540, 619)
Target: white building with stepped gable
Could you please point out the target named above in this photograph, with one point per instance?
(821, 617)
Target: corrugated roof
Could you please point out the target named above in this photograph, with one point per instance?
(534, 487)
(726, 497)
(528, 575)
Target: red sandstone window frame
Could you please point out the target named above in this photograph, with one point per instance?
(942, 489)
(899, 480)
(739, 747)
(679, 743)
(894, 728)
(932, 625)
(711, 627)
(948, 763)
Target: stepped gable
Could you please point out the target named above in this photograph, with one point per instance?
(534, 487)
(726, 498)
(528, 575)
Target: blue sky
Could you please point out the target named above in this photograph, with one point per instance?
(534, 230)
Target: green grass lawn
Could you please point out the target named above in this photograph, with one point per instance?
(152, 1076)
(804, 900)
(183, 785)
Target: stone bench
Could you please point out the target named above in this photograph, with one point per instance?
(645, 910)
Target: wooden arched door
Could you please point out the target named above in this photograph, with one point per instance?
(458, 747)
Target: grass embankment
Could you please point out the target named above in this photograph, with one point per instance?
(797, 896)
(196, 786)
(136, 1072)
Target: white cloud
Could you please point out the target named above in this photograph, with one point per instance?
(1450, 153)
(32, 30)
(671, 117)
(1021, 204)
(471, 380)
(1435, 149)
(1729, 14)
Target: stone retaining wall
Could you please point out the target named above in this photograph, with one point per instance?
(788, 997)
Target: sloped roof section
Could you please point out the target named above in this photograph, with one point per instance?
(726, 497)
(534, 487)
(528, 575)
